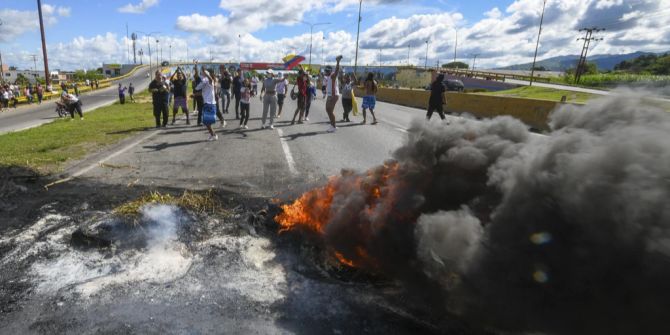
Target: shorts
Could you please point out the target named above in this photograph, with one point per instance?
(209, 114)
(225, 92)
(369, 101)
(180, 102)
(280, 99)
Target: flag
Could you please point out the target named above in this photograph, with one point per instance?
(291, 60)
(354, 103)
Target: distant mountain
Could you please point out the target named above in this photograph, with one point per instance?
(562, 63)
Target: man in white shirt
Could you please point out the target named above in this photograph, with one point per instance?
(281, 93)
(209, 99)
(332, 92)
(269, 98)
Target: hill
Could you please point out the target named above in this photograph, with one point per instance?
(604, 62)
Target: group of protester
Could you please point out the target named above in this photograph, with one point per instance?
(212, 96)
(9, 94)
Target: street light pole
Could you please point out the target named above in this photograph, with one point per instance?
(47, 76)
(409, 48)
(311, 35)
(537, 45)
(474, 60)
(170, 53)
(358, 32)
(426, 63)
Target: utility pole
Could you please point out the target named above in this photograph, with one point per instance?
(141, 53)
(2, 67)
(34, 62)
(581, 65)
(537, 45)
(358, 32)
(455, 47)
(425, 65)
(47, 76)
(474, 60)
(380, 57)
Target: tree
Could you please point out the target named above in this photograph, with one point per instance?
(21, 80)
(455, 65)
(540, 68)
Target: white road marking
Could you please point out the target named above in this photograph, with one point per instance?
(118, 152)
(287, 152)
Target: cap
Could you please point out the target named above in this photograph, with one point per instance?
(269, 71)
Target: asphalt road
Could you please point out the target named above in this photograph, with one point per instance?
(214, 275)
(253, 160)
(25, 117)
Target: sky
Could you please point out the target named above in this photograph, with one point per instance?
(86, 33)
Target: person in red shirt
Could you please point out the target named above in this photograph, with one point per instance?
(301, 83)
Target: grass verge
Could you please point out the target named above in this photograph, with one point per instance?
(543, 93)
(47, 147)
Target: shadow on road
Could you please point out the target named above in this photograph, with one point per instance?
(165, 145)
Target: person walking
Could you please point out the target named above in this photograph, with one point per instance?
(197, 95)
(332, 92)
(28, 94)
(347, 93)
(281, 93)
(301, 83)
(245, 102)
(226, 85)
(238, 82)
(4, 98)
(437, 98)
(311, 95)
(159, 94)
(269, 97)
(122, 94)
(131, 91)
(370, 98)
(179, 87)
(76, 89)
(254, 85)
(206, 86)
(40, 93)
(97, 84)
(73, 104)
(217, 94)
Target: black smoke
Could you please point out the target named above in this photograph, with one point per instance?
(567, 232)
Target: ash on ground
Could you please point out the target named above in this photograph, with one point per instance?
(71, 265)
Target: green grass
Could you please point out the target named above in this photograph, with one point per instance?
(610, 80)
(543, 93)
(46, 148)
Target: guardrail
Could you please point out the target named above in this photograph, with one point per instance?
(55, 94)
(493, 75)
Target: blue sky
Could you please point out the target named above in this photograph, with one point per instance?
(84, 33)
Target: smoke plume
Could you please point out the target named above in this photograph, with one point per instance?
(567, 232)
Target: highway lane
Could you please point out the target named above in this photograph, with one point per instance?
(25, 117)
(258, 161)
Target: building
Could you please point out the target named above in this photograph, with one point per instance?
(115, 70)
(12, 75)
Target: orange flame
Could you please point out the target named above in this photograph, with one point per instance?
(313, 210)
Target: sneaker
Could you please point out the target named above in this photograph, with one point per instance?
(263, 127)
(213, 138)
(81, 119)
(240, 127)
(271, 127)
(306, 119)
(332, 129)
(173, 122)
(246, 127)
(223, 124)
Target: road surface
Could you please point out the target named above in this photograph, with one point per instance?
(34, 115)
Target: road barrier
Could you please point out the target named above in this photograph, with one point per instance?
(534, 113)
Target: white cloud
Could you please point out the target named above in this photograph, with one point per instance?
(139, 8)
(16, 22)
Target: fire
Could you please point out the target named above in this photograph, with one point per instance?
(314, 210)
